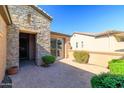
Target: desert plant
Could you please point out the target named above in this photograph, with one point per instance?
(48, 59)
(81, 56)
(116, 66)
(107, 80)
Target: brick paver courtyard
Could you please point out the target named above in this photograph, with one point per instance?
(58, 75)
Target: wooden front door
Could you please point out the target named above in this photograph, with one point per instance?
(24, 46)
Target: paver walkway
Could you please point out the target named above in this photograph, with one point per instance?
(58, 75)
(96, 69)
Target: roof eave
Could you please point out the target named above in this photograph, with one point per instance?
(83, 34)
(60, 34)
(42, 12)
(6, 15)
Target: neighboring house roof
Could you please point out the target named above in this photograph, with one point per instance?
(41, 11)
(106, 33)
(57, 33)
(84, 33)
(5, 14)
(111, 32)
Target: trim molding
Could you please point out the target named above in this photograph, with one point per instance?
(29, 31)
(5, 14)
(41, 12)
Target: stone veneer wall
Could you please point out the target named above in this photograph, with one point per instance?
(12, 46)
(38, 23)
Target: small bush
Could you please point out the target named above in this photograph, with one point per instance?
(48, 59)
(116, 66)
(107, 80)
(81, 56)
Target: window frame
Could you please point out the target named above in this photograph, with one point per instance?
(76, 44)
(82, 44)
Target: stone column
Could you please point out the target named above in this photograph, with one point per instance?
(42, 45)
(12, 46)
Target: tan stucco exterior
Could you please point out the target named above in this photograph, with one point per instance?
(3, 30)
(4, 22)
(102, 48)
(102, 58)
(99, 58)
(107, 43)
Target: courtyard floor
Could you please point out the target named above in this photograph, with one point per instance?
(62, 74)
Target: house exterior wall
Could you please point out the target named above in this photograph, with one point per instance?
(36, 23)
(99, 58)
(115, 45)
(88, 42)
(102, 58)
(12, 46)
(108, 44)
(105, 44)
(3, 31)
(101, 49)
(102, 44)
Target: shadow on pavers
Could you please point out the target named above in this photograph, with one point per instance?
(6, 82)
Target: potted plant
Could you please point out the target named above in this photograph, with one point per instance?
(12, 70)
(47, 60)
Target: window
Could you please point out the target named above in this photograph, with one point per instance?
(76, 44)
(82, 44)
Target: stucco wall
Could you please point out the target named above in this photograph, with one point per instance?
(100, 58)
(88, 42)
(39, 24)
(3, 30)
(103, 44)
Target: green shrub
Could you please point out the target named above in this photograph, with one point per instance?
(48, 59)
(107, 80)
(116, 66)
(81, 56)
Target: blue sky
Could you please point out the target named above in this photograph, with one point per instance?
(85, 18)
